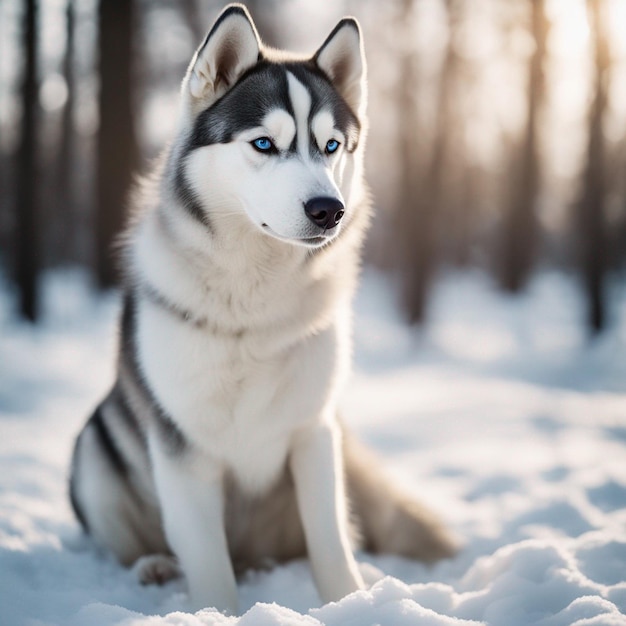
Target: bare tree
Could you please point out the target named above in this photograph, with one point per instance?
(519, 239)
(117, 152)
(28, 246)
(591, 220)
(409, 164)
(425, 194)
(65, 198)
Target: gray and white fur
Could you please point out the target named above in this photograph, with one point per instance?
(219, 442)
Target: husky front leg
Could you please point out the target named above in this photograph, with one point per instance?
(317, 469)
(192, 506)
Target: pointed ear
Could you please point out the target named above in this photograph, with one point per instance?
(342, 58)
(231, 47)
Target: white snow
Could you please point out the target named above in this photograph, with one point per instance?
(500, 415)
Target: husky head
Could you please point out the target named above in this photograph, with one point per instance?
(273, 138)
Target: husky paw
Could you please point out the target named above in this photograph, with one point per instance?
(156, 569)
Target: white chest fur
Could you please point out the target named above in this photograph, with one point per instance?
(271, 357)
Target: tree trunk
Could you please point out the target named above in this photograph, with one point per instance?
(28, 248)
(519, 245)
(591, 222)
(66, 201)
(409, 166)
(427, 197)
(116, 145)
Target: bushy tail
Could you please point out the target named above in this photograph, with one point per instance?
(388, 518)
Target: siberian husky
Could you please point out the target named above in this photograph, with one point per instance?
(219, 446)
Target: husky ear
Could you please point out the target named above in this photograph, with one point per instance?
(231, 47)
(342, 58)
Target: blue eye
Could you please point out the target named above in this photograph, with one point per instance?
(332, 146)
(263, 144)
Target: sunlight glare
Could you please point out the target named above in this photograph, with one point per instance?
(569, 31)
(617, 27)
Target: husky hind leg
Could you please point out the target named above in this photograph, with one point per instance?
(390, 520)
(107, 503)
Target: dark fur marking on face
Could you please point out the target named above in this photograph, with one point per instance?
(325, 96)
(260, 90)
(173, 439)
(263, 88)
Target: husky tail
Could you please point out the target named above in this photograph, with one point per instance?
(389, 519)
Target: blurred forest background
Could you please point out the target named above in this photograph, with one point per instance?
(498, 131)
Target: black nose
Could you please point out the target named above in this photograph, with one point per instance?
(324, 212)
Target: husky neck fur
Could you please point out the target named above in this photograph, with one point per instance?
(219, 442)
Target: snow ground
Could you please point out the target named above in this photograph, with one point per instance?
(499, 414)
